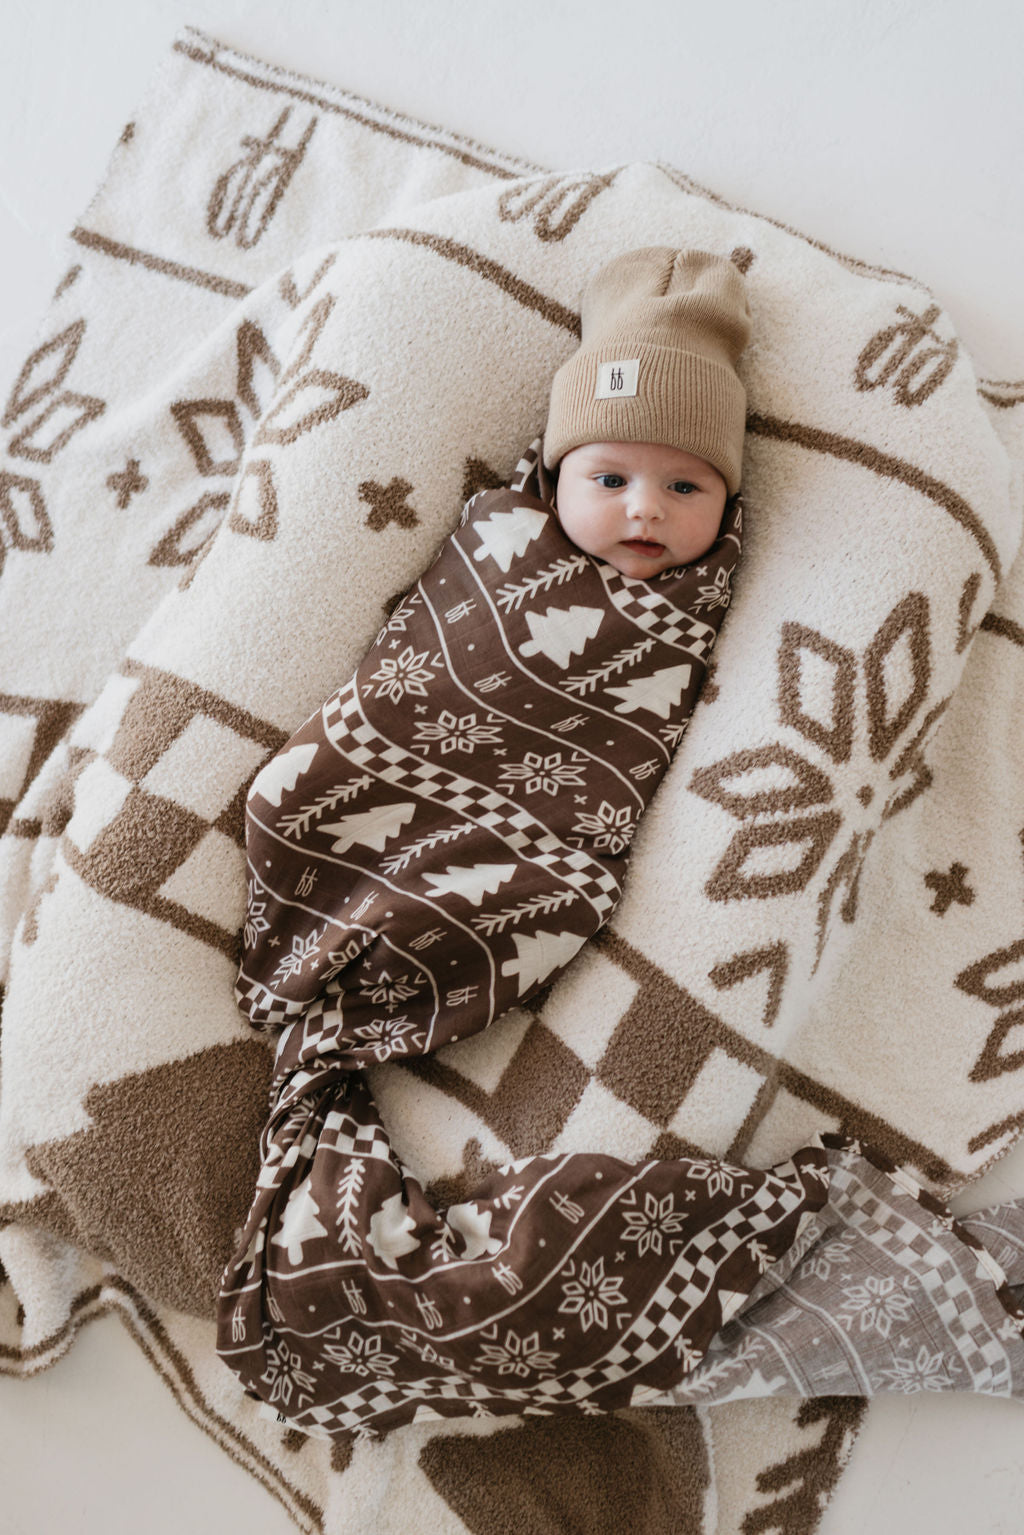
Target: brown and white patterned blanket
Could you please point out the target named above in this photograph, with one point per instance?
(294, 335)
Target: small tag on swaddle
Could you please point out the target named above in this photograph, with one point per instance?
(271, 1413)
(617, 380)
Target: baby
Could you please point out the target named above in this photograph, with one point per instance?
(439, 840)
(646, 420)
(539, 654)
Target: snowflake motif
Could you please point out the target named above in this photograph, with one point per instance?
(429, 1354)
(825, 1259)
(387, 1036)
(284, 1375)
(716, 596)
(402, 674)
(719, 1178)
(866, 719)
(924, 1372)
(458, 733)
(388, 993)
(361, 1356)
(877, 1303)
(589, 1296)
(397, 622)
(544, 775)
(302, 949)
(610, 830)
(519, 1356)
(658, 1219)
(255, 920)
(338, 959)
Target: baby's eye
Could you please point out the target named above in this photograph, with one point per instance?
(684, 487)
(610, 481)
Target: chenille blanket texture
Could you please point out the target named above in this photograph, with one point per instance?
(295, 334)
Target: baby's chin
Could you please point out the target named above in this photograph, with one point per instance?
(644, 567)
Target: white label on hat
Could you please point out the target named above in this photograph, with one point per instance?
(617, 380)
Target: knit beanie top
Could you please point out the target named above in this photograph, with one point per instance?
(662, 330)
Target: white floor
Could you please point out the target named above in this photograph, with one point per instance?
(891, 129)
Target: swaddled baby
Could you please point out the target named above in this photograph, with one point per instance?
(446, 832)
(439, 840)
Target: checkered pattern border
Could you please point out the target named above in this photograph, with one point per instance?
(526, 836)
(655, 615)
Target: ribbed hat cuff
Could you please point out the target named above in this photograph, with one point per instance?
(683, 399)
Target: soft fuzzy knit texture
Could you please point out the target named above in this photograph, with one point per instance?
(284, 351)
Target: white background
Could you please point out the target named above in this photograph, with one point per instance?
(890, 129)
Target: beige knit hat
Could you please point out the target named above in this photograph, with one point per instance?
(662, 329)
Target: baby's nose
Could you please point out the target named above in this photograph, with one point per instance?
(645, 504)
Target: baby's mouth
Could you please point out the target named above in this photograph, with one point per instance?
(643, 546)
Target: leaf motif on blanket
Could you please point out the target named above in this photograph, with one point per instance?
(24, 521)
(213, 433)
(315, 398)
(63, 414)
(201, 520)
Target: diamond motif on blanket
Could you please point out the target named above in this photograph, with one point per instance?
(24, 520)
(62, 414)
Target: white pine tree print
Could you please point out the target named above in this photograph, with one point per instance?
(659, 693)
(282, 773)
(537, 954)
(300, 1224)
(391, 1231)
(473, 883)
(370, 828)
(474, 1227)
(561, 633)
(506, 536)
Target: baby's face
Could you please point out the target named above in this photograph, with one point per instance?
(639, 506)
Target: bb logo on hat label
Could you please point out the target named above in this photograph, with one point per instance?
(617, 380)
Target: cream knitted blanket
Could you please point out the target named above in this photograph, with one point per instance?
(294, 333)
